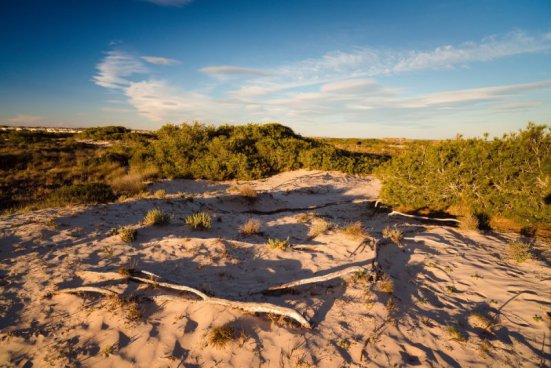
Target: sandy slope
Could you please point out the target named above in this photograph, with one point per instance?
(441, 275)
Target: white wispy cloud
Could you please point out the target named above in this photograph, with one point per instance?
(116, 67)
(225, 71)
(339, 87)
(159, 60)
(176, 3)
(369, 63)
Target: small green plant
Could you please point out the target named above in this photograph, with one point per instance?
(156, 217)
(537, 318)
(456, 334)
(519, 251)
(451, 289)
(128, 234)
(394, 234)
(251, 227)
(199, 221)
(219, 337)
(108, 350)
(319, 226)
(476, 276)
(279, 244)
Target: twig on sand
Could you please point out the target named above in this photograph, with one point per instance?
(316, 279)
(426, 218)
(88, 289)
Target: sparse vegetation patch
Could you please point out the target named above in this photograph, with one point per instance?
(199, 221)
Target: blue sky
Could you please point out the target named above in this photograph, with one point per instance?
(419, 69)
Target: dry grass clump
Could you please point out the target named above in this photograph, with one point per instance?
(129, 184)
(251, 227)
(480, 321)
(246, 191)
(319, 226)
(199, 221)
(160, 194)
(279, 244)
(128, 305)
(220, 336)
(394, 234)
(519, 251)
(127, 234)
(355, 230)
(156, 217)
(307, 216)
(456, 334)
(385, 284)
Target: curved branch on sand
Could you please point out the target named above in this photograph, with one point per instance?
(417, 217)
(252, 307)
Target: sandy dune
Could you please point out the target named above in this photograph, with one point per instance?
(440, 276)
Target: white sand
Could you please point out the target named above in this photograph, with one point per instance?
(441, 275)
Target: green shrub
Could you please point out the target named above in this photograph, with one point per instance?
(506, 177)
(156, 217)
(82, 193)
(199, 221)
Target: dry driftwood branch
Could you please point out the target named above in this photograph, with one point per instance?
(252, 307)
(88, 289)
(316, 279)
(396, 213)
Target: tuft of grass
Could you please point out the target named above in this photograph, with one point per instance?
(156, 217)
(344, 344)
(160, 194)
(220, 336)
(519, 251)
(251, 227)
(199, 221)
(319, 226)
(246, 191)
(480, 321)
(279, 244)
(394, 234)
(355, 230)
(385, 284)
(307, 216)
(129, 306)
(127, 234)
(108, 350)
(456, 334)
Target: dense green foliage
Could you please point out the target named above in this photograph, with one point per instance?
(246, 152)
(107, 133)
(502, 177)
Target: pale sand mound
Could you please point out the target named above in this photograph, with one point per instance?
(439, 277)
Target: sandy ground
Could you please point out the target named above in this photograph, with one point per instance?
(440, 276)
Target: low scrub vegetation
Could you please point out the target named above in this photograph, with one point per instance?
(199, 221)
(319, 226)
(81, 193)
(355, 230)
(156, 217)
(394, 234)
(507, 177)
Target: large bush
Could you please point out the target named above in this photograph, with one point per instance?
(504, 177)
(247, 152)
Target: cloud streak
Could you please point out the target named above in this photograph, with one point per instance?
(159, 60)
